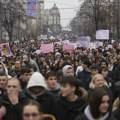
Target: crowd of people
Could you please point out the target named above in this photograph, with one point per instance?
(80, 85)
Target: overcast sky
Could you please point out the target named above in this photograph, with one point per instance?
(71, 7)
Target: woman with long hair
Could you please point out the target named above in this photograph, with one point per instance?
(99, 107)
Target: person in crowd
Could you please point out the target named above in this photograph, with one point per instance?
(70, 103)
(4, 69)
(13, 100)
(31, 110)
(58, 55)
(45, 68)
(85, 75)
(32, 69)
(79, 68)
(57, 65)
(99, 107)
(17, 68)
(36, 89)
(52, 83)
(111, 64)
(24, 77)
(116, 108)
(68, 70)
(108, 75)
(94, 69)
(28, 61)
(103, 64)
(98, 81)
(116, 104)
(3, 82)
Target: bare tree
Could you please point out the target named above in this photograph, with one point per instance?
(96, 10)
(93, 15)
(10, 14)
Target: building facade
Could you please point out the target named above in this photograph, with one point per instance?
(52, 22)
(35, 24)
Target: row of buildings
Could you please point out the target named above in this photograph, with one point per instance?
(47, 21)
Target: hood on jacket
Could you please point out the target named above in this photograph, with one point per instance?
(57, 87)
(65, 68)
(5, 70)
(36, 80)
(57, 53)
(90, 117)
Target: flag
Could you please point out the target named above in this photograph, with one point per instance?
(32, 8)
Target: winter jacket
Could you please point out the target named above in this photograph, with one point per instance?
(116, 114)
(31, 62)
(5, 70)
(45, 99)
(56, 91)
(85, 77)
(65, 68)
(13, 112)
(88, 116)
(66, 110)
(116, 72)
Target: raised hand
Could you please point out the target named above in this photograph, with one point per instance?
(13, 98)
(2, 111)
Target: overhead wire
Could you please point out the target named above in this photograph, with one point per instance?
(59, 3)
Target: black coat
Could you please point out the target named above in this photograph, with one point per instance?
(64, 110)
(55, 93)
(46, 101)
(13, 112)
(116, 114)
(85, 77)
(83, 117)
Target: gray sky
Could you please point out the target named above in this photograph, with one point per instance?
(66, 14)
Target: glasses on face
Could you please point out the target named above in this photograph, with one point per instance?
(30, 114)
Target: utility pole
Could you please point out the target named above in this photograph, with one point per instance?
(118, 19)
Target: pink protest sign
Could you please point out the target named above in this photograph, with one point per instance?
(68, 48)
(5, 50)
(46, 48)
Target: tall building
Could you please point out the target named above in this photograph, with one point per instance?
(52, 20)
(35, 24)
